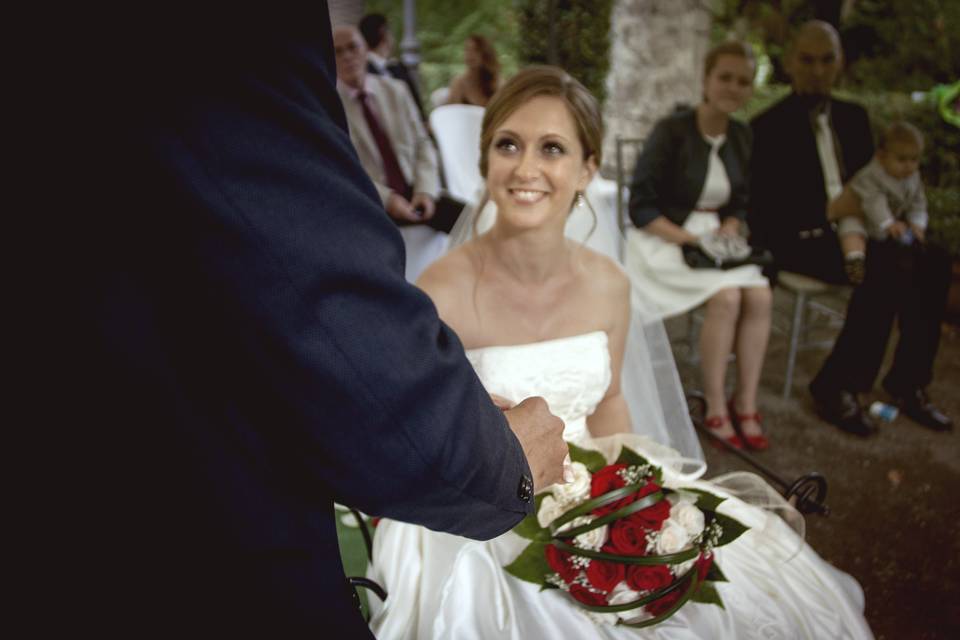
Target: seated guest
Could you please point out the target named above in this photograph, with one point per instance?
(806, 147)
(888, 192)
(376, 33)
(692, 180)
(481, 79)
(393, 146)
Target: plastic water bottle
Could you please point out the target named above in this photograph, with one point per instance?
(883, 411)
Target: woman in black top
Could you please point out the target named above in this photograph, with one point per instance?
(692, 179)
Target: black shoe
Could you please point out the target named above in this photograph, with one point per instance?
(842, 409)
(917, 407)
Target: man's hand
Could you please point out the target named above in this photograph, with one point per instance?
(541, 435)
(897, 229)
(400, 208)
(918, 232)
(844, 205)
(424, 203)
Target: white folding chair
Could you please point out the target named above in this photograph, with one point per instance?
(438, 97)
(457, 130)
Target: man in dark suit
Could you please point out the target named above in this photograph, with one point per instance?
(805, 148)
(252, 351)
(376, 33)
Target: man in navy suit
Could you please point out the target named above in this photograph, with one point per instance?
(806, 147)
(252, 351)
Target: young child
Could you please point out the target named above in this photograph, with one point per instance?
(889, 192)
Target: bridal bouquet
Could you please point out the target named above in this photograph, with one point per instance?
(625, 548)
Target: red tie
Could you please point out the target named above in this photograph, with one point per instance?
(391, 167)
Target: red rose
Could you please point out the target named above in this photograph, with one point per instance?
(652, 517)
(607, 479)
(703, 564)
(660, 605)
(605, 575)
(628, 537)
(559, 561)
(641, 578)
(584, 595)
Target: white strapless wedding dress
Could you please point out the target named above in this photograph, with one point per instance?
(444, 586)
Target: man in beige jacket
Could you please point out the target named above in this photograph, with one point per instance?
(410, 196)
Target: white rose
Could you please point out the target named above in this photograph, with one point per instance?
(682, 568)
(688, 517)
(672, 538)
(592, 539)
(575, 492)
(549, 511)
(622, 594)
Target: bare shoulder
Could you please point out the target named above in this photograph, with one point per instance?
(606, 276)
(449, 282)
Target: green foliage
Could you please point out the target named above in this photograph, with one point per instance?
(531, 565)
(572, 34)
(592, 460)
(529, 527)
(732, 529)
(903, 45)
(707, 594)
(442, 29)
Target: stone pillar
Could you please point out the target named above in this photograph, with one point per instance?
(345, 11)
(656, 61)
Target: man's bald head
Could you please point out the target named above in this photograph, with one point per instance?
(815, 58)
(351, 54)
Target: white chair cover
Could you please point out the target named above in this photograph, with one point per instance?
(457, 130)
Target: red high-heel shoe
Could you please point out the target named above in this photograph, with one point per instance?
(757, 443)
(715, 423)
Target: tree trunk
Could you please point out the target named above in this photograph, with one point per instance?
(656, 62)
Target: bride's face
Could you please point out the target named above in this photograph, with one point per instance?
(535, 164)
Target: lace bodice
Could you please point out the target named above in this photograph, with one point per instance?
(572, 374)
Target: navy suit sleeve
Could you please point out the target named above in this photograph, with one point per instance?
(304, 341)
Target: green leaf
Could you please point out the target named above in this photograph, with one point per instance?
(706, 501)
(731, 529)
(707, 594)
(529, 527)
(531, 565)
(714, 574)
(630, 457)
(592, 460)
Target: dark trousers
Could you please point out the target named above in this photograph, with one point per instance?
(818, 256)
(906, 283)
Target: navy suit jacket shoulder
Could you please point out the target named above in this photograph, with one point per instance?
(259, 354)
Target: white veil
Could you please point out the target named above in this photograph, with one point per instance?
(649, 380)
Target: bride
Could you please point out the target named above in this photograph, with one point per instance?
(540, 314)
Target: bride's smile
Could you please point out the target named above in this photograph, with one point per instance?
(536, 164)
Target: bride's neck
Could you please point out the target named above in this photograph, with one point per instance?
(530, 257)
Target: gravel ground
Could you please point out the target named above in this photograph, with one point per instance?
(894, 520)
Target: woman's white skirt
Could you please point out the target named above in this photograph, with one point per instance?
(658, 269)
